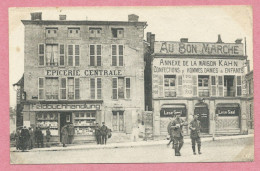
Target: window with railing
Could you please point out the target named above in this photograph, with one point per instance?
(203, 85)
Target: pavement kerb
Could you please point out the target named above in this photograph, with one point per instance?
(129, 144)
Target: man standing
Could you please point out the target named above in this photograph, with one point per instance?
(25, 137)
(170, 131)
(177, 125)
(98, 133)
(48, 137)
(103, 131)
(64, 134)
(71, 132)
(31, 140)
(195, 133)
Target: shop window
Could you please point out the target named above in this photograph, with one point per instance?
(62, 55)
(121, 88)
(52, 88)
(169, 85)
(117, 55)
(73, 55)
(51, 32)
(203, 85)
(63, 92)
(95, 55)
(52, 55)
(118, 121)
(95, 88)
(41, 51)
(95, 32)
(40, 88)
(74, 32)
(239, 86)
(117, 32)
(84, 123)
(229, 86)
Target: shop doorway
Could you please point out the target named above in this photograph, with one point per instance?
(65, 118)
(203, 112)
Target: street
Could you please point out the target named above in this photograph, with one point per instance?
(212, 151)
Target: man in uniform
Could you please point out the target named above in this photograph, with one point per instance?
(103, 131)
(177, 125)
(98, 133)
(195, 133)
(170, 130)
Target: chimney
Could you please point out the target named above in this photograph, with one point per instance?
(152, 42)
(219, 39)
(184, 40)
(133, 18)
(238, 41)
(36, 16)
(62, 17)
(148, 37)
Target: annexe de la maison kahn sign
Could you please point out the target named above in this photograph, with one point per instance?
(181, 48)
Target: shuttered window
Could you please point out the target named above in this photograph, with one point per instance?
(52, 88)
(213, 86)
(220, 86)
(114, 88)
(92, 88)
(41, 54)
(70, 88)
(239, 86)
(73, 55)
(62, 55)
(179, 93)
(40, 88)
(117, 55)
(128, 88)
(194, 85)
(95, 55)
(63, 85)
(77, 88)
(95, 88)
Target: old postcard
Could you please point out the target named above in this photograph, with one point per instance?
(131, 84)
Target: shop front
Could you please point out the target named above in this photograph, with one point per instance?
(54, 116)
(167, 112)
(202, 110)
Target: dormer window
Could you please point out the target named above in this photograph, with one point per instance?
(73, 32)
(95, 32)
(51, 32)
(117, 32)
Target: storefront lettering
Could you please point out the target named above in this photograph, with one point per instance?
(227, 111)
(77, 73)
(42, 107)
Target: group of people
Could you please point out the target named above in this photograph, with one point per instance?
(176, 133)
(26, 137)
(67, 133)
(102, 133)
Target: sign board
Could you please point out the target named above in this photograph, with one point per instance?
(63, 107)
(181, 48)
(170, 112)
(227, 111)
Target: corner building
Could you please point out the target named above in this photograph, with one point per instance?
(83, 72)
(200, 78)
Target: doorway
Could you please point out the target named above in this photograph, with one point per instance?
(65, 118)
(203, 112)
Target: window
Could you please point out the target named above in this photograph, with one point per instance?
(70, 88)
(239, 85)
(195, 85)
(229, 86)
(74, 32)
(95, 55)
(95, 88)
(213, 86)
(203, 85)
(77, 88)
(169, 85)
(52, 55)
(179, 85)
(121, 88)
(118, 121)
(52, 88)
(62, 55)
(51, 32)
(63, 92)
(117, 32)
(220, 86)
(41, 51)
(117, 55)
(40, 88)
(95, 32)
(73, 55)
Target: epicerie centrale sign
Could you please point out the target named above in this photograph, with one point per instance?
(198, 66)
(79, 73)
(222, 49)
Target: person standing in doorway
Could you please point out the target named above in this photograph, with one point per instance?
(64, 134)
(103, 131)
(48, 137)
(177, 125)
(71, 132)
(98, 133)
(195, 128)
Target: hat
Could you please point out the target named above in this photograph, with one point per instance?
(103, 122)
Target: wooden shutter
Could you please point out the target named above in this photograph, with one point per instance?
(179, 93)
(160, 86)
(213, 86)
(220, 86)
(239, 85)
(195, 85)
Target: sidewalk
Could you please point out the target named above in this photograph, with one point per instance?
(126, 144)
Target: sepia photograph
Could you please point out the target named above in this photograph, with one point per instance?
(131, 84)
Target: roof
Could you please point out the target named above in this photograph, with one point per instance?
(20, 82)
(81, 22)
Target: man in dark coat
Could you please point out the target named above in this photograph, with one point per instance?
(177, 133)
(18, 139)
(31, 140)
(48, 137)
(64, 134)
(169, 129)
(71, 132)
(103, 131)
(25, 136)
(195, 134)
(39, 137)
(98, 133)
